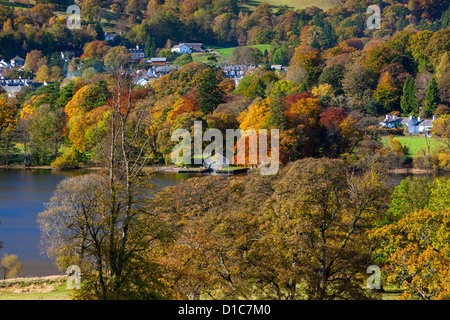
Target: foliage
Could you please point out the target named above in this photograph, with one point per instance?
(432, 98)
(11, 266)
(415, 248)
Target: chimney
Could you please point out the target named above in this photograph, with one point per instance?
(411, 117)
(388, 116)
(434, 117)
(419, 118)
(395, 116)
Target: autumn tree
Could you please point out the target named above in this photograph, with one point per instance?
(328, 245)
(96, 50)
(8, 123)
(43, 74)
(11, 266)
(414, 249)
(443, 77)
(387, 93)
(90, 9)
(310, 60)
(441, 129)
(116, 57)
(246, 55)
(34, 60)
(299, 234)
(111, 222)
(357, 86)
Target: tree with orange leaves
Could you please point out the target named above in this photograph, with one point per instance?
(96, 50)
(415, 247)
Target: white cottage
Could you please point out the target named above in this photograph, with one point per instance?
(415, 126)
(181, 48)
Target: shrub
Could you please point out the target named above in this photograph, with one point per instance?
(67, 161)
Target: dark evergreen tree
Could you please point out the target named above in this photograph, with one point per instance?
(277, 117)
(210, 93)
(408, 101)
(432, 98)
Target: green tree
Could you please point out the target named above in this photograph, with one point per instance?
(408, 101)
(183, 59)
(45, 130)
(411, 194)
(211, 95)
(432, 98)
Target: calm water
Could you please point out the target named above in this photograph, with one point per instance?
(22, 196)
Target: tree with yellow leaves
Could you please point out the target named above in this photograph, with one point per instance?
(257, 116)
(43, 74)
(387, 93)
(415, 247)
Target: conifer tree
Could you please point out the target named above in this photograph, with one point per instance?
(408, 100)
(432, 98)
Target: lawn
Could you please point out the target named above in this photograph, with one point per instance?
(226, 52)
(45, 288)
(203, 57)
(415, 143)
(58, 293)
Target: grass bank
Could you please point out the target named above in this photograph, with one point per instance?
(36, 288)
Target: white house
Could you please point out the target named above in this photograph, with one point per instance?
(181, 48)
(188, 47)
(415, 126)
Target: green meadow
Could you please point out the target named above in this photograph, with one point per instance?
(416, 143)
(226, 52)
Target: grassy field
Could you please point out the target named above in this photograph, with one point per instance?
(416, 143)
(226, 52)
(295, 4)
(203, 57)
(45, 288)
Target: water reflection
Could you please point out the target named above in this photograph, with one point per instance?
(24, 192)
(22, 196)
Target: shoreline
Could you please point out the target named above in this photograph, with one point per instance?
(413, 171)
(22, 167)
(175, 169)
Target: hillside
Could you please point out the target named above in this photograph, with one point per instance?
(295, 4)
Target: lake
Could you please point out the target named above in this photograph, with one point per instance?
(22, 196)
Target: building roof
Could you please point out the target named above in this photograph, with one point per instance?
(158, 59)
(17, 58)
(137, 49)
(427, 123)
(179, 45)
(190, 45)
